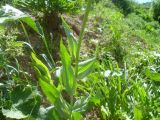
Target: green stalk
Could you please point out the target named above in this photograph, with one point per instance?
(80, 42)
(81, 36)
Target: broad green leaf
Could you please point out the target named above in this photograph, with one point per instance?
(62, 108)
(95, 100)
(13, 113)
(86, 67)
(67, 77)
(25, 102)
(53, 95)
(137, 114)
(10, 13)
(46, 113)
(50, 91)
(76, 116)
(153, 75)
(30, 22)
(72, 42)
(81, 104)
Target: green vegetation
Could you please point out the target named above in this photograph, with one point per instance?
(124, 5)
(109, 71)
(49, 9)
(156, 9)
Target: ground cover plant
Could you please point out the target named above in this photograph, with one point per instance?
(108, 71)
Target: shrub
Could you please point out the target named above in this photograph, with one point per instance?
(50, 9)
(125, 5)
(5, 2)
(156, 10)
(9, 46)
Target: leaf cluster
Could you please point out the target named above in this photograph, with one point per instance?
(50, 6)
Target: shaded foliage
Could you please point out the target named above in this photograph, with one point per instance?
(156, 10)
(124, 5)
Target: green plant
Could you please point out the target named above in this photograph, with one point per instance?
(9, 47)
(156, 9)
(11, 15)
(3, 2)
(9, 44)
(49, 16)
(14, 105)
(125, 5)
(50, 6)
(51, 10)
(11, 84)
(62, 94)
(122, 82)
(125, 93)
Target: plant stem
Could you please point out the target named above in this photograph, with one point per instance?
(80, 42)
(81, 36)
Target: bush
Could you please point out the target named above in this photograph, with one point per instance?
(125, 5)
(9, 47)
(49, 6)
(156, 10)
(5, 2)
(50, 9)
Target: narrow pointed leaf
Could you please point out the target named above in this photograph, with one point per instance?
(67, 77)
(86, 67)
(41, 70)
(13, 113)
(50, 91)
(72, 42)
